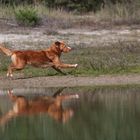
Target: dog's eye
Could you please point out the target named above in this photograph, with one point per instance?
(57, 43)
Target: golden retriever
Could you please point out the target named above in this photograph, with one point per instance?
(49, 57)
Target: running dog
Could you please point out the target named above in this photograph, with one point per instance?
(49, 57)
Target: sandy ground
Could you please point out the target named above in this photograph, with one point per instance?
(68, 81)
(39, 37)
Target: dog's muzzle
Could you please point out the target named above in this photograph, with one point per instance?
(69, 48)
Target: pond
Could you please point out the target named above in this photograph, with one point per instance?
(80, 113)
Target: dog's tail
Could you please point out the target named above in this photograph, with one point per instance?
(6, 51)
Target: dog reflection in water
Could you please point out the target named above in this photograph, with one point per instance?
(50, 105)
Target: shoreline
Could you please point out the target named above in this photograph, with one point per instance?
(69, 81)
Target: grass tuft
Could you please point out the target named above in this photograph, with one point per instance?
(27, 16)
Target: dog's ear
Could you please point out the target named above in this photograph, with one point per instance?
(57, 43)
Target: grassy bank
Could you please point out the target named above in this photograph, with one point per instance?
(118, 58)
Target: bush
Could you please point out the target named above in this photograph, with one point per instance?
(27, 16)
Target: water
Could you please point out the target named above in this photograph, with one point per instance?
(101, 113)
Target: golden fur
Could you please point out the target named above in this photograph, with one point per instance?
(40, 58)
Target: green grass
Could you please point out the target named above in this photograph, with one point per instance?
(118, 58)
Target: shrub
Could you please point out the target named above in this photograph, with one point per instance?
(27, 16)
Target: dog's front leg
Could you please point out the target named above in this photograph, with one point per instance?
(47, 65)
(58, 70)
(50, 64)
(62, 65)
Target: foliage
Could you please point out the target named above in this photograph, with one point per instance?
(27, 16)
(70, 5)
(76, 5)
(15, 2)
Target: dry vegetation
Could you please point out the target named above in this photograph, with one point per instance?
(111, 14)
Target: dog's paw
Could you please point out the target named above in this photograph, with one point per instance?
(77, 96)
(9, 75)
(75, 65)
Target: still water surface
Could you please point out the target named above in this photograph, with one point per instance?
(85, 113)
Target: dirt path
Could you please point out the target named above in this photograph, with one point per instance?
(40, 38)
(69, 81)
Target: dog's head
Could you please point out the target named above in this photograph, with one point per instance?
(62, 46)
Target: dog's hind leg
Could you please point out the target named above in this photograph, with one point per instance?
(13, 67)
(17, 64)
(10, 70)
